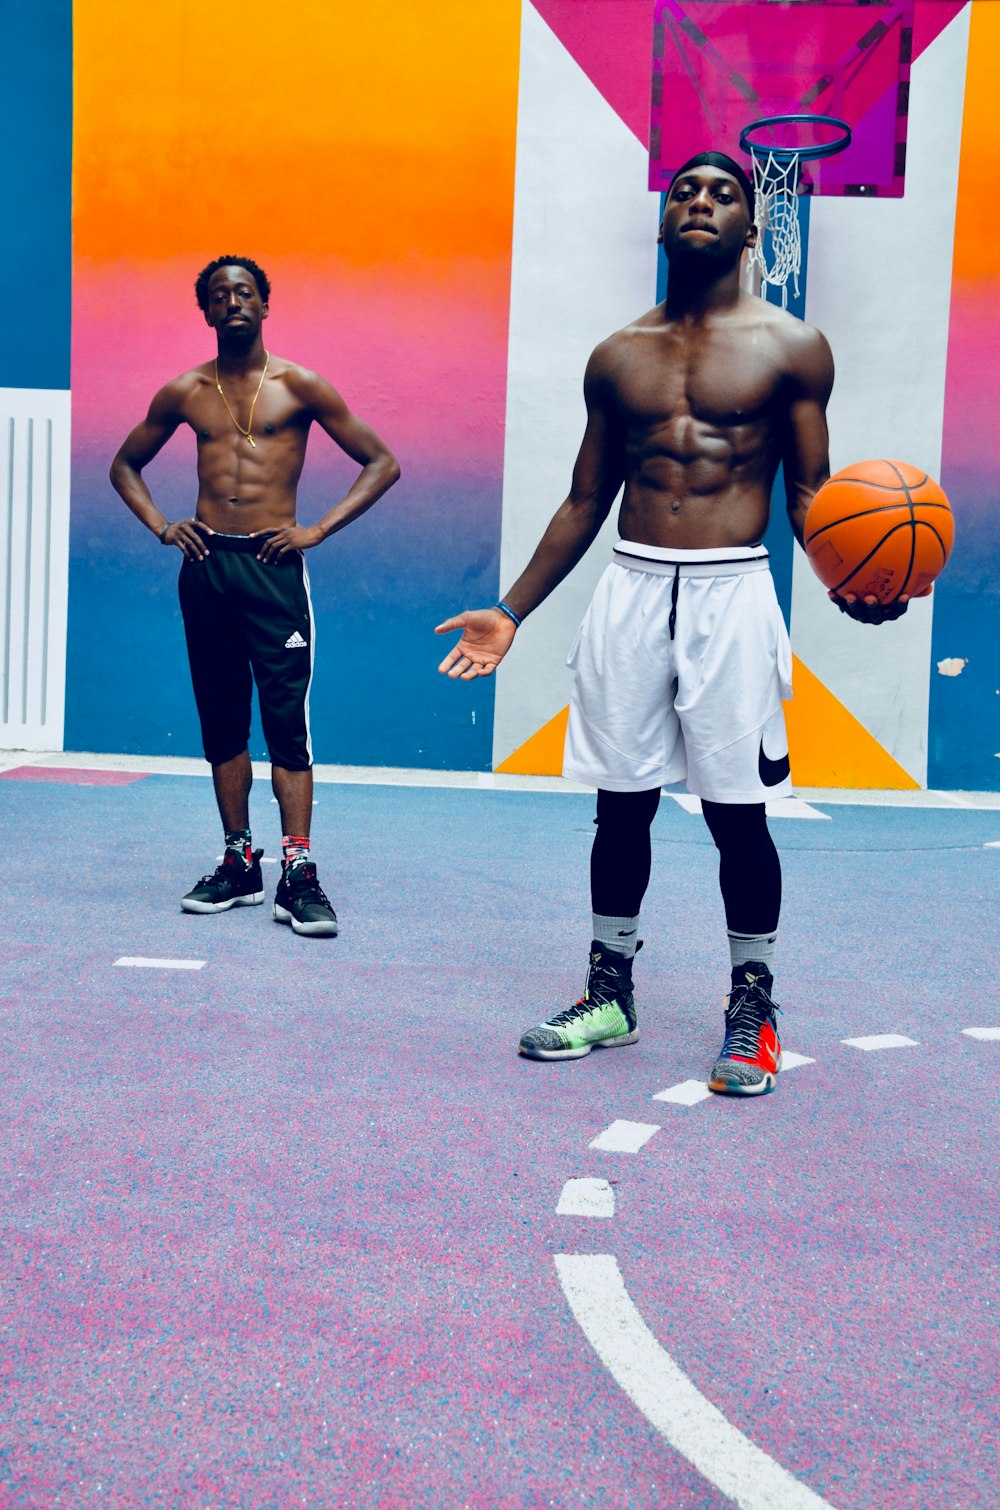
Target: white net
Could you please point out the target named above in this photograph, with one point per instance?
(777, 256)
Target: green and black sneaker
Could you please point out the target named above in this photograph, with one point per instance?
(603, 1018)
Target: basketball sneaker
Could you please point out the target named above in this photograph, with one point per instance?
(750, 1057)
(603, 1018)
(301, 901)
(237, 882)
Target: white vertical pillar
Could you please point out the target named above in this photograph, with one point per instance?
(34, 566)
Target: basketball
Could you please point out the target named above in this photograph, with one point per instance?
(880, 529)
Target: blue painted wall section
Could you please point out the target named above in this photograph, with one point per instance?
(36, 129)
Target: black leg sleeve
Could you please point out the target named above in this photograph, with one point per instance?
(749, 868)
(621, 858)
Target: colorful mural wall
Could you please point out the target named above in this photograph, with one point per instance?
(364, 156)
(452, 204)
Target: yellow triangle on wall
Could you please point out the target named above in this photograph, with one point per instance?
(542, 754)
(828, 746)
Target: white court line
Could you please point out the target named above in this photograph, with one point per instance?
(687, 1093)
(694, 1427)
(790, 1061)
(882, 1041)
(586, 1198)
(988, 1035)
(137, 962)
(992, 844)
(625, 1137)
(778, 807)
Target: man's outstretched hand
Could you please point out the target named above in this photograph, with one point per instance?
(869, 610)
(486, 637)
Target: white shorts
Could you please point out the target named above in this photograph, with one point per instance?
(681, 662)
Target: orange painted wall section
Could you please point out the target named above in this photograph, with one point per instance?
(361, 131)
(977, 228)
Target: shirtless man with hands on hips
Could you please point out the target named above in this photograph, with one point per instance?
(244, 588)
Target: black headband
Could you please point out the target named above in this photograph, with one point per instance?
(719, 160)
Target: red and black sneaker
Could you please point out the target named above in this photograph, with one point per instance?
(750, 1057)
(301, 901)
(236, 882)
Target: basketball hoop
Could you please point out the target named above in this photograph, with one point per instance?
(778, 183)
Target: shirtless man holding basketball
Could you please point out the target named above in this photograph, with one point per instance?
(683, 659)
(243, 586)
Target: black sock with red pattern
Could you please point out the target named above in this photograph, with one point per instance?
(295, 848)
(240, 840)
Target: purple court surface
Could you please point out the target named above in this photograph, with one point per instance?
(287, 1221)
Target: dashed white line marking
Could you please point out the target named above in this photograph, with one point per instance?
(882, 1041)
(778, 807)
(986, 1034)
(793, 807)
(992, 844)
(694, 1427)
(790, 1061)
(586, 1198)
(625, 1137)
(687, 1093)
(137, 962)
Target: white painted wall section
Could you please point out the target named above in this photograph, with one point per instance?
(34, 566)
(880, 288)
(583, 265)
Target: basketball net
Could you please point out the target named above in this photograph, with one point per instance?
(776, 212)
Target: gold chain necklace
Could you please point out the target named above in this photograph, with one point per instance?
(247, 432)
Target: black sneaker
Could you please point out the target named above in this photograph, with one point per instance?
(300, 900)
(603, 1018)
(233, 884)
(750, 1057)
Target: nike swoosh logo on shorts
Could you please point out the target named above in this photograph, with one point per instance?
(772, 772)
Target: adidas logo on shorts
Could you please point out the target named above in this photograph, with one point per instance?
(295, 642)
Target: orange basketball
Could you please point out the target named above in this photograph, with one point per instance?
(879, 529)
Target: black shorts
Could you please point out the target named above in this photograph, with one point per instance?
(248, 622)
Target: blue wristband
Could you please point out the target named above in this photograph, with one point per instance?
(510, 614)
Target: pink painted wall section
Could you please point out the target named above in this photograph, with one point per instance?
(965, 709)
(612, 41)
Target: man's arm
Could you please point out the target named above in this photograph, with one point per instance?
(136, 452)
(806, 458)
(487, 633)
(379, 467)
(807, 461)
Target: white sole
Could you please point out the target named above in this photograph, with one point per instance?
(763, 1089)
(311, 930)
(584, 1049)
(252, 899)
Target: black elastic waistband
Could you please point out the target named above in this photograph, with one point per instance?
(250, 544)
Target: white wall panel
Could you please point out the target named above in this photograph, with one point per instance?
(34, 566)
(584, 264)
(879, 286)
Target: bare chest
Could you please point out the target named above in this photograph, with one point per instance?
(724, 381)
(220, 413)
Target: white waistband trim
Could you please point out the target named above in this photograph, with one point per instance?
(717, 561)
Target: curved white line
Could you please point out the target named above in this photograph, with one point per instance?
(593, 1285)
